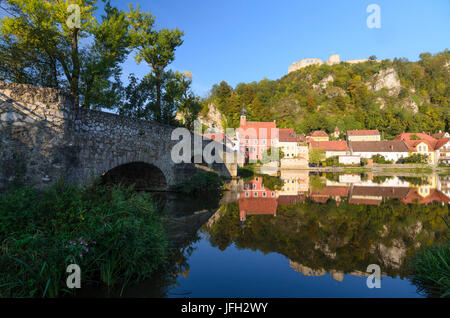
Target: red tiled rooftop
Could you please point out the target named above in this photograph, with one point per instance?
(335, 145)
(441, 142)
(287, 135)
(318, 133)
(259, 130)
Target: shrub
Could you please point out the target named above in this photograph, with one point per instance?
(430, 269)
(414, 158)
(115, 235)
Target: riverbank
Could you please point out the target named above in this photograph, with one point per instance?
(114, 234)
(411, 168)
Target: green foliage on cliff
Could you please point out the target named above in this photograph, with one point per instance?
(305, 100)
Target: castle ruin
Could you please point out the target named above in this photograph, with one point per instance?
(332, 60)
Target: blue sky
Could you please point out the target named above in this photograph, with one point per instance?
(247, 40)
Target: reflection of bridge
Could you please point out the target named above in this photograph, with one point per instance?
(44, 136)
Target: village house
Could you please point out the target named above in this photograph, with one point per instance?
(389, 149)
(334, 148)
(420, 143)
(363, 135)
(442, 149)
(287, 141)
(318, 135)
(256, 137)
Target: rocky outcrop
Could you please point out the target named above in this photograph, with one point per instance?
(213, 117)
(387, 79)
(323, 84)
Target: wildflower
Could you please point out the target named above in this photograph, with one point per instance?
(71, 260)
(81, 255)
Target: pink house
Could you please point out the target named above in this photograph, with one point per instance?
(255, 137)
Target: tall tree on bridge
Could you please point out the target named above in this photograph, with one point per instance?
(157, 48)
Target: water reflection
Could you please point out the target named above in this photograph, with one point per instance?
(337, 224)
(325, 225)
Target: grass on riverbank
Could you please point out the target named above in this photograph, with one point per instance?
(430, 269)
(115, 235)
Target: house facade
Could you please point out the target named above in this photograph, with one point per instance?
(287, 141)
(363, 135)
(334, 148)
(256, 137)
(318, 135)
(442, 150)
(389, 149)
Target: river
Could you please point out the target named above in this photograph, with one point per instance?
(315, 237)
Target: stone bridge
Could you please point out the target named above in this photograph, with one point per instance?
(43, 137)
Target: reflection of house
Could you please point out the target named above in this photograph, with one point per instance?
(389, 149)
(257, 206)
(256, 199)
(331, 192)
(332, 148)
(284, 200)
(374, 195)
(363, 135)
(424, 195)
(444, 185)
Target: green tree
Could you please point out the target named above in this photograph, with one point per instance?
(38, 46)
(316, 155)
(155, 47)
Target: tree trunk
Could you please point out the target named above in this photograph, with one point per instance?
(158, 97)
(74, 84)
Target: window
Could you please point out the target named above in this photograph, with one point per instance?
(254, 186)
(257, 179)
(264, 194)
(246, 194)
(264, 141)
(255, 194)
(273, 194)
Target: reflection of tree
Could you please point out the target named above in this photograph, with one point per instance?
(344, 238)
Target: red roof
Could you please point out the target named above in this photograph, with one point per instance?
(335, 145)
(318, 133)
(421, 136)
(287, 135)
(412, 144)
(258, 130)
(441, 142)
(363, 132)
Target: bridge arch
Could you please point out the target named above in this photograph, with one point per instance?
(145, 176)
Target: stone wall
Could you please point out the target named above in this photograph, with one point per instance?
(44, 137)
(33, 134)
